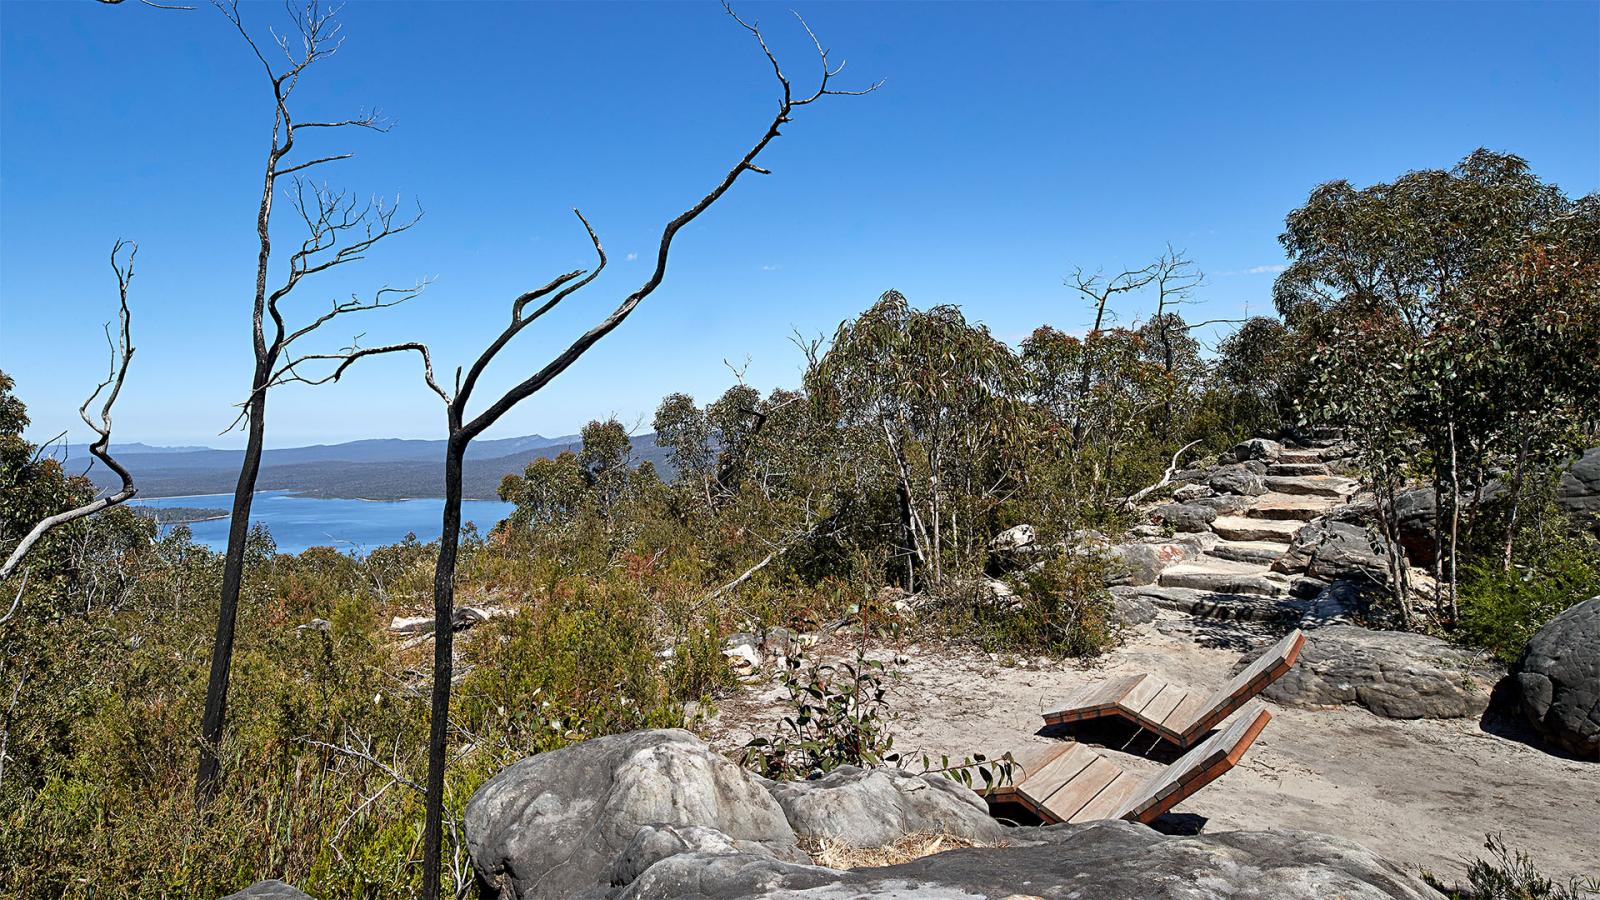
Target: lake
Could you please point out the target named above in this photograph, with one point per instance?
(298, 522)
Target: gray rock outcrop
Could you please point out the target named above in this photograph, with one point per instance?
(1184, 516)
(1257, 449)
(1579, 490)
(1335, 551)
(1557, 680)
(1103, 860)
(876, 807)
(551, 825)
(271, 889)
(1238, 480)
(1396, 674)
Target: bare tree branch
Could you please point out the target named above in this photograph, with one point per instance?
(121, 354)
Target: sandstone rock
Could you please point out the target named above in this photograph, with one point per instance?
(1102, 860)
(1558, 680)
(1131, 609)
(1579, 490)
(272, 889)
(1238, 480)
(1184, 516)
(876, 807)
(1190, 492)
(1245, 528)
(1396, 674)
(1257, 449)
(1204, 604)
(1013, 538)
(1145, 561)
(1224, 504)
(552, 824)
(743, 653)
(1336, 551)
(653, 843)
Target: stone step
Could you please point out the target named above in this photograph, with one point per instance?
(1245, 528)
(1263, 552)
(1290, 457)
(1214, 605)
(1289, 507)
(1312, 485)
(1297, 468)
(1224, 576)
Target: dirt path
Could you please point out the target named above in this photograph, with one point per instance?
(1423, 793)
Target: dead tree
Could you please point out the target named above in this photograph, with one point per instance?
(462, 428)
(339, 231)
(1100, 291)
(121, 355)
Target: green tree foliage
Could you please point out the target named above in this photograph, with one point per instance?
(1454, 316)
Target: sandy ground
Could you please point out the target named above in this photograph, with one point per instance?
(1423, 793)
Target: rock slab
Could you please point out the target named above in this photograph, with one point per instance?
(551, 825)
(1557, 680)
(876, 807)
(1102, 860)
(1395, 674)
(271, 889)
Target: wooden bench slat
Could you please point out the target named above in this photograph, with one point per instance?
(1157, 710)
(1056, 773)
(1106, 803)
(1075, 794)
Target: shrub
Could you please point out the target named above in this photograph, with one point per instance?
(1511, 875)
(1501, 609)
(1061, 607)
(837, 718)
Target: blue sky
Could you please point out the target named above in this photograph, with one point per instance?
(1009, 144)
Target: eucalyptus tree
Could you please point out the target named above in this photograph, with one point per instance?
(463, 426)
(1449, 309)
(937, 397)
(339, 230)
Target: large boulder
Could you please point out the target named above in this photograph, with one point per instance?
(1579, 490)
(271, 889)
(1238, 480)
(1336, 551)
(1144, 561)
(1103, 860)
(1184, 516)
(876, 807)
(551, 825)
(1557, 680)
(1257, 449)
(1396, 674)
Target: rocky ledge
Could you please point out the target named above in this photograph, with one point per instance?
(658, 814)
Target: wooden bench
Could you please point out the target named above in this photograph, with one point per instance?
(1069, 782)
(1177, 714)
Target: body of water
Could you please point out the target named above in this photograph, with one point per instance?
(298, 522)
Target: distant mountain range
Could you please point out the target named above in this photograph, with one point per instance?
(384, 469)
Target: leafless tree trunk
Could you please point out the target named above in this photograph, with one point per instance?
(462, 430)
(121, 354)
(339, 231)
(1099, 293)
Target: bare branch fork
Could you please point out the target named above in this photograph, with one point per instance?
(121, 353)
(462, 428)
(339, 231)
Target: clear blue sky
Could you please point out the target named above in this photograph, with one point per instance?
(1009, 144)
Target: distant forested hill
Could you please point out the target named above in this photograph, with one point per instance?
(369, 470)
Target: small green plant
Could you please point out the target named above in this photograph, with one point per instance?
(838, 718)
(1511, 875)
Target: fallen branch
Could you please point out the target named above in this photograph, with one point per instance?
(1166, 478)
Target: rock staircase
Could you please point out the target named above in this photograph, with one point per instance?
(1232, 575)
